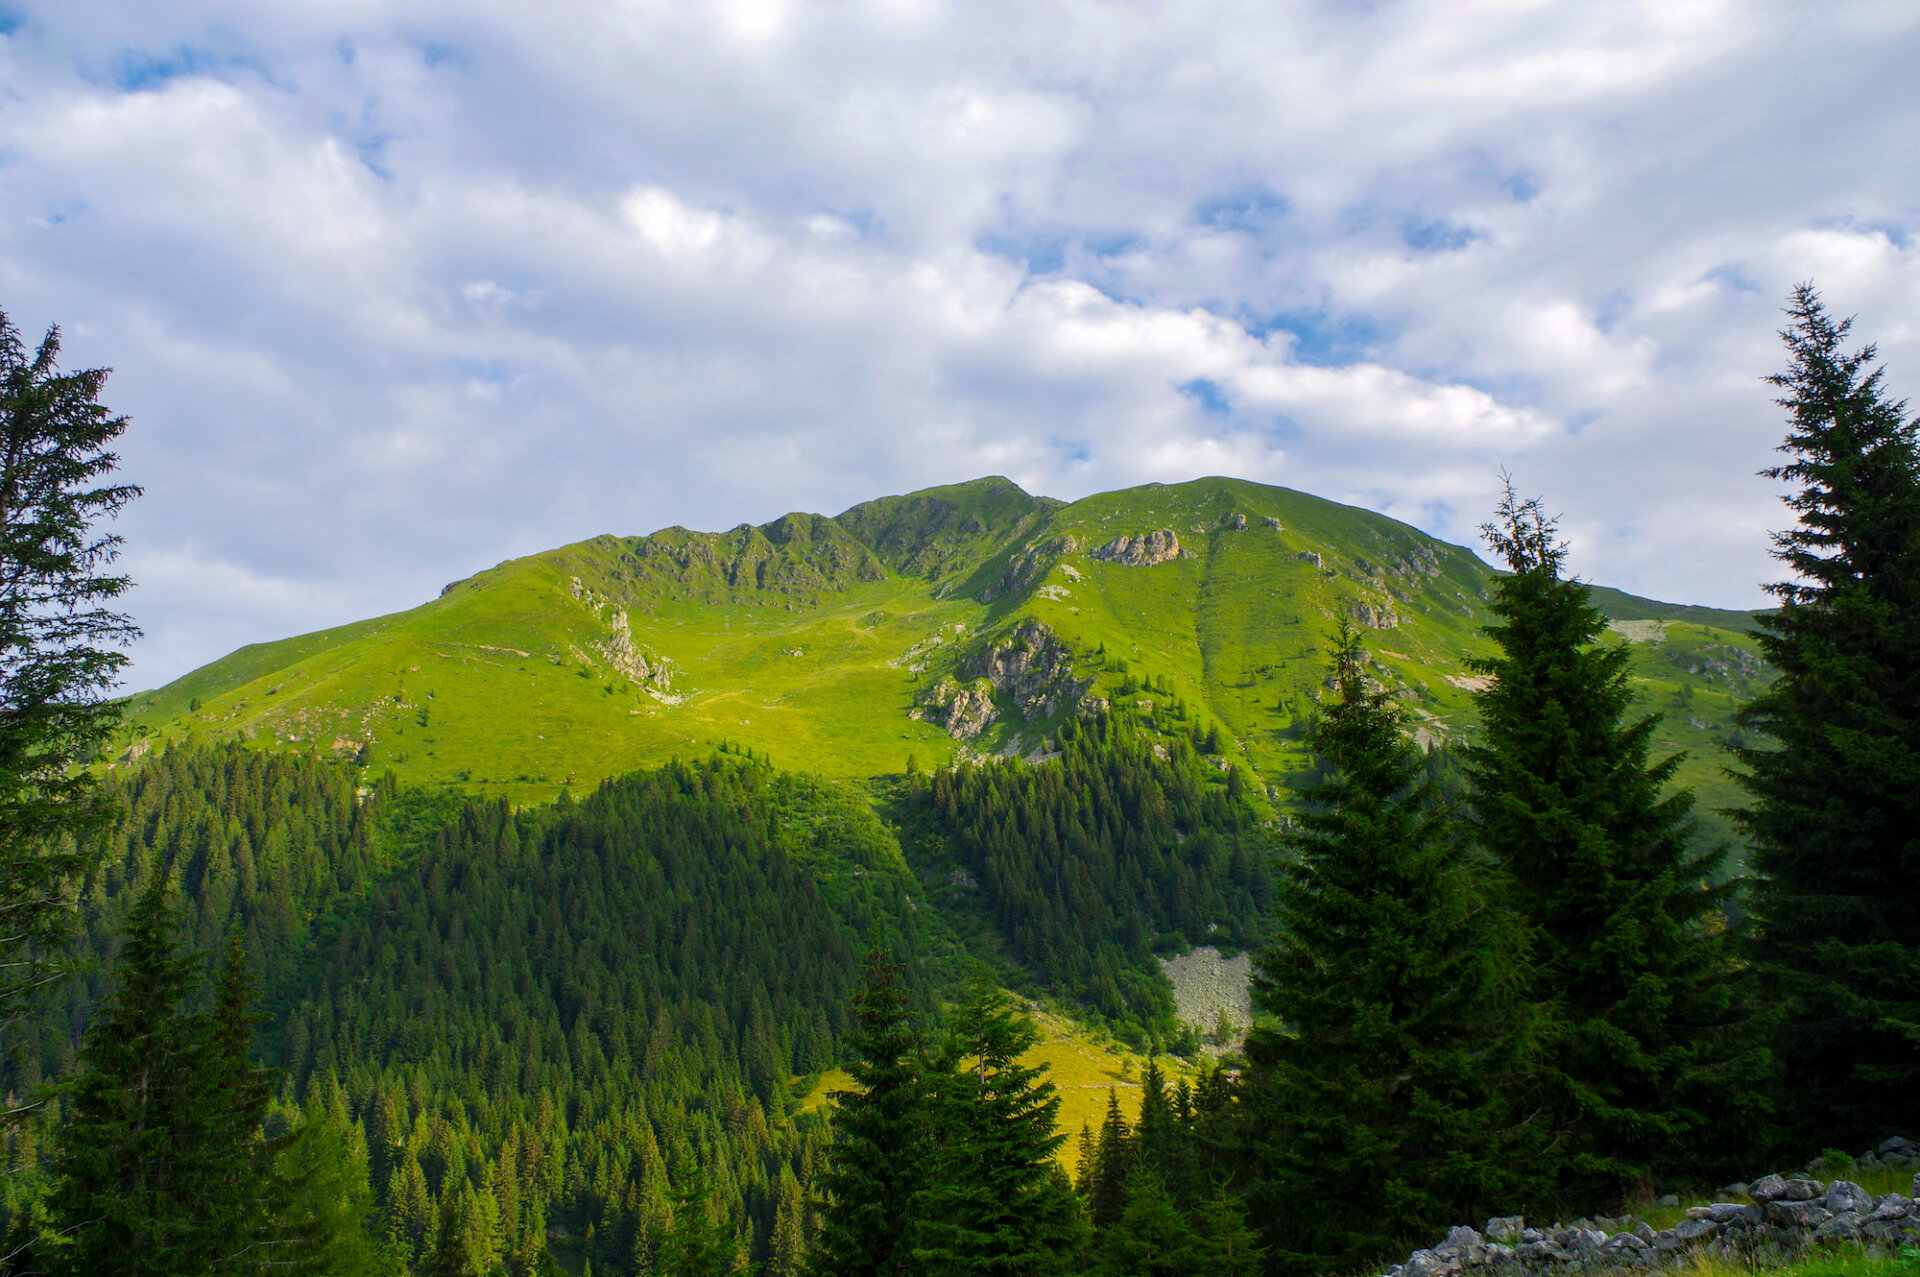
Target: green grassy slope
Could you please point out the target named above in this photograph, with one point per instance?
(812, 639)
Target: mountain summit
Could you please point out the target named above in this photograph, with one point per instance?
(966, 618)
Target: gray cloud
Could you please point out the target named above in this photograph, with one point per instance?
(396, 291)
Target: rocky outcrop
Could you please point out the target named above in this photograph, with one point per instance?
(962, 710)
(1034, 667)
(1374, 616)
(1140, 551)
(1028, 566)
(1779, 1218)
(1030, 667)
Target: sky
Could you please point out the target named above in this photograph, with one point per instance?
(393, 292)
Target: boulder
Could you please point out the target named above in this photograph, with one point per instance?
(1506, 1225)
(1893, 1206)
(1798, 1214)
(1844, 1195)
(1459, 1238)
(1767, 1188)
(1843, 1227)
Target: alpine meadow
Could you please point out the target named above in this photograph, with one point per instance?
(1199, 879)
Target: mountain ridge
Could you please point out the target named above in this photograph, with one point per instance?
(818, 640)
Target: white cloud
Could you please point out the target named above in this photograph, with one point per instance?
(394, 292)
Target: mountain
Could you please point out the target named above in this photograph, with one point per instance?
(967, 619)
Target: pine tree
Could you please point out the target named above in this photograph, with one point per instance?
(993, 1201)
(1226, 1245)
(1835, 814)
(870, 1180)
(58, 648)
(1112, 1167)
(1151, 1238)
(155, 1175)
(1380, 1102)
(1631, 948)
(698, 1242)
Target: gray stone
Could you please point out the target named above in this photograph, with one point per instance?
(1459, 1239)
(1422, 1263)
(1893, 1206)
(1845, 1195)
(1767, 1188)
(1506, 1225)
(1532, 1235)
(1915, 1194)
(1693, 1230)
(1644, 1231)
(1724, 1212)
(1843, 1227)
(1732, 1190)
(1798, 1214)
(1531, 1250)
(1897, 1144)
(1587, 1239)
(1667, 1199)
(1803, 1190)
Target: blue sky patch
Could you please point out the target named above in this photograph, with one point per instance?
(1212, 400)
(1321, 339)
(1044, 251)
(1437, 236)
(1251, 210)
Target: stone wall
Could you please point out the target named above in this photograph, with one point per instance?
(1775, 1218)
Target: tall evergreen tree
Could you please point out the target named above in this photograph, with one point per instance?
(870, 1176)
(153, 1173)
(59, 642)
(1380, 1095)
(1112, 1167)
(992, 1201)
(1835, 814)
(1631, 948)
(698, 1242)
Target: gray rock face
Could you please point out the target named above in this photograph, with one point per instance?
(1141, 551)
(1034, 667)
(963, 710)
(1459, 1237)
(1843, 1195)
(1767, 1188)
(1504, 1226)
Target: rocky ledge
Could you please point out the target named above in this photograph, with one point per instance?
(1780, 1218)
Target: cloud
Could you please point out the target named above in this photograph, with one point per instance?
(395, 291)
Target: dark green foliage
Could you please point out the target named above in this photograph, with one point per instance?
(59, 646)
(992, 1200)
(163, 1166)
(1084, 862)
(1380, 1098)
(1112, 1168)
(879, 1131)
(1835, 817)
(1151, 1238)
(698, 1242)
(523, 1019)
(1647, 1066)
(156, 1172)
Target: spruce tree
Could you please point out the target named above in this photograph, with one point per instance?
(698, 1243)
(155, 1175)
(59, 648)
(993, 1201)
(878, 1132)
(1835, 813)
(1380, 1091)
(1648, 1062)
(1112, 1166)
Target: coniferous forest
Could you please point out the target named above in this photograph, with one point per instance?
(275, 1010)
